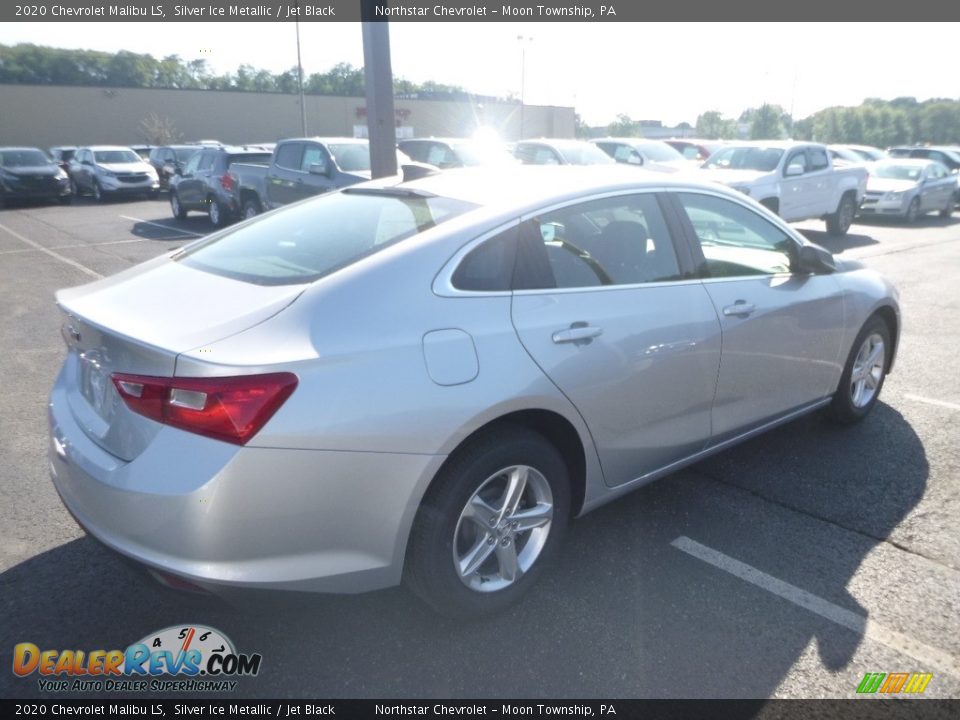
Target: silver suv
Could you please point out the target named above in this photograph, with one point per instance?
(106, 170)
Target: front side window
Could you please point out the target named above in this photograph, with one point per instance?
(288, 156)
(797, 158)
(614, 241)
(307, 241)
(735, 240)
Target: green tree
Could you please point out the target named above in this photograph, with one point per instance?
(712, 125)
(767, 123)
(623, 126)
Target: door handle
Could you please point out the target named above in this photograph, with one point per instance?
(741, 308)
(577, 332)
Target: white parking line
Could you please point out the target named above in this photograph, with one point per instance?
(165, 227)
(51, 253)
(931, 401)
(861, 625)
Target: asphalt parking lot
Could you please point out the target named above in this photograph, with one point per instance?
(789, 566)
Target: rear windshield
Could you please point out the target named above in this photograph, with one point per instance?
(254, 158)
(184, 154)
(23, 158)
(304, 242)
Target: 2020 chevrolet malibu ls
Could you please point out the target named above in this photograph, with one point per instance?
(425, 381)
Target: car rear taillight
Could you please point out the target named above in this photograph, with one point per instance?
(227, 181)
(232, 409)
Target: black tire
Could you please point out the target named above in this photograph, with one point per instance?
(839, 223)
(430, 569)
(772, 204)
(98, 194)
(948, 210)
(913, 211)
(216, 213)
(74, 188)
(153, 194)
(65, 199)
(844, 409)
(251, 208)
(179, 212)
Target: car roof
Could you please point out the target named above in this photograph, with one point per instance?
(535, 185)
(19, 149)
(106, 147)
(918, 162)
(315, 138)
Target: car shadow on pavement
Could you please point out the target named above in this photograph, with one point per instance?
(621, 613)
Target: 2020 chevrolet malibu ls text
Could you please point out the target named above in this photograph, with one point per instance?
(425, 381)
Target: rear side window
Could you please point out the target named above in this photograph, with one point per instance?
(489, 267)
(305, 242)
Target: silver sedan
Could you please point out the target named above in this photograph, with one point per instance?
(425, 381)
(909, 188)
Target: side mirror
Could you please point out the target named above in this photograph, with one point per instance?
(793, 170)
(635, 159)
(320, 168)
(815, 260)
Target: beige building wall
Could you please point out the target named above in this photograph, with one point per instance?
(43, 116)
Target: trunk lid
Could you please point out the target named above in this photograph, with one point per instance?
(138, 322)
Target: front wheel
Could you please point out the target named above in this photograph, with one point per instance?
(488, 525)
(839, 222)
(98, 194)
(947, 211)
(178, 210)
(913, 211)
(864, 373)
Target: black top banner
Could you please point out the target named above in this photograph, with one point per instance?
(471, 11)
(607, 709)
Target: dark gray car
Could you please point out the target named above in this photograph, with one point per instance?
(205, 183)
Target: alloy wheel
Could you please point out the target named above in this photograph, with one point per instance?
(867, 370)
(503, 528)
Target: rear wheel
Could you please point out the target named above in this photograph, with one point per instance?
(215, 213)
(864, 373)
(947, 211)
(488, 525)
(839, 223)
(179, 212)
(251, 208)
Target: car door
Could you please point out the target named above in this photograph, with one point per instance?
(192, 185)
(82, 168)
(283, 173)
(308, 183)
(184, 185)
(782, 329)
(936, 187)
(820, 183)
(795, 189)
(601, 305)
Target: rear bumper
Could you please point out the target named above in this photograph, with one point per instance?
(227, 518)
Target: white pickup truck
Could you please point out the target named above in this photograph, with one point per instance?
(796, 180)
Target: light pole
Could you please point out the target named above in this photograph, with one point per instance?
(524, 40)
(303, 107)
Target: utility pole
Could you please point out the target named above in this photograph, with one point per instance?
(303, 106)
(378, 73)
(524, 40)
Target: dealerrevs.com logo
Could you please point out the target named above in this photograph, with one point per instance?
(185, 658)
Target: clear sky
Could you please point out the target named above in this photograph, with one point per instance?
(658, 71)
